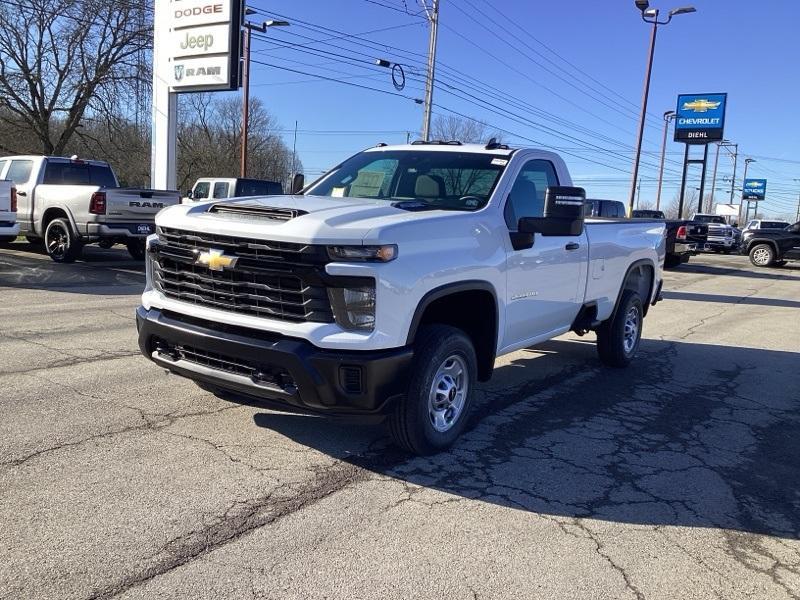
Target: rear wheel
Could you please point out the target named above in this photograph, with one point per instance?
(136, 248)
(434, 412)
(60, 242)
(618, 338)
(762, 255)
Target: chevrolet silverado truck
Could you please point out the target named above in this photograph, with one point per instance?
(684, 238)
(68, 203)
(721, 236)
(8, 211)
(387, 288)
(772, 247)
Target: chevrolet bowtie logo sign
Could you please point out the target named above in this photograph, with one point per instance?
(701, 106)
(216, 260)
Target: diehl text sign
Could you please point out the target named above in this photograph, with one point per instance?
(700, 118)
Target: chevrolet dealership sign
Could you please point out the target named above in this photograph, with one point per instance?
(202, 48)
(700, 118)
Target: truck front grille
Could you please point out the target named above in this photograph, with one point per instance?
(277, 280)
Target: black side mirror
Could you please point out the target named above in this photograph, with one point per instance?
(189, 194)
(298, 183)
(563, 213)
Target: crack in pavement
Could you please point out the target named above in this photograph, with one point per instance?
(239, 520)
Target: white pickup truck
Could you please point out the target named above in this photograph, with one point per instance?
(389, 286)
(9, 229)
(69, 203)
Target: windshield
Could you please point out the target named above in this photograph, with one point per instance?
(709, 219)
(442, 180)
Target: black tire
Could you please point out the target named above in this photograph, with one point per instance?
(437, 350)
(762, 255)
(136, 248)
(60, 242)
(671, 261)
(615, 346)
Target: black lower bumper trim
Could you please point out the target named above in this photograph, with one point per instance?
(275, 368)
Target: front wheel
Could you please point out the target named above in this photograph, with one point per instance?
(60, 242)
(762, 255)
(618, 338)
(434, 412)
(136, 248)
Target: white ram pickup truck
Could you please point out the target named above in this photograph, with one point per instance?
(69, 203)
(9, 229)
(388, 287)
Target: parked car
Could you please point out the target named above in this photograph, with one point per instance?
(209, 188)
(721, 236)
(9, 229)
(763, 224)
(684, 238)
(612, 209)
(68, 203)
(772, 247)
(389, 288)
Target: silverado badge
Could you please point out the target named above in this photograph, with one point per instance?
(216, 260)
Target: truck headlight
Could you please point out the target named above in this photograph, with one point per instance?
(363, 253)
(353, 308)
(151, 252)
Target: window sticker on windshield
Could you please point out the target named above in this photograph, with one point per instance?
(338, 192)
(499, 162)
(368, 184)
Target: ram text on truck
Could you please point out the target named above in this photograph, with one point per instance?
(391, 285)
(68, 203)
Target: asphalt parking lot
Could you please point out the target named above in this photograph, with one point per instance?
(676, 478)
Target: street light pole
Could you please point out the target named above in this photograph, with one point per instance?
(649, 15)
(747, 162)
(668, 116)
(714, 176)
(433, 18)
(247, 35)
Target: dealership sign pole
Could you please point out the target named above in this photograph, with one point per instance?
(699, 120)
(196, 48)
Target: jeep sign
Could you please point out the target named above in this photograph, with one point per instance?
(202, 44)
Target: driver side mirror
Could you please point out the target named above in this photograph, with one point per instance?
(189, 194)
(298, 183)
(563, 213)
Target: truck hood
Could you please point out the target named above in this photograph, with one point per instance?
(300, 219)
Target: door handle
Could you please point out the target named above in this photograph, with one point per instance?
(22, 193)
(572, 246)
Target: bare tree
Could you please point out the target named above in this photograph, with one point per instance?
(690, 201)
(451, 127)
(61, 60)
(209, 141)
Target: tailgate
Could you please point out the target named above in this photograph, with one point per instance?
(5, 196)
(125, 204)
(696, 232)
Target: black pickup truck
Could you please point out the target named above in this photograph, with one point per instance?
(772, 247)
(684, 238)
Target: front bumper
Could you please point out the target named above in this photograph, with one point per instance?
(274, 368)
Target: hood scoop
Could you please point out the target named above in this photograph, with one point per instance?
(413, 205)
(256, 212)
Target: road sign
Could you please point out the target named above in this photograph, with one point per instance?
(755, 190)
(700, 118)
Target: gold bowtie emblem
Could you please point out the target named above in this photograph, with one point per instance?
(216, 260)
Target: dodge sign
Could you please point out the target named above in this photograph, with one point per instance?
(700, 118)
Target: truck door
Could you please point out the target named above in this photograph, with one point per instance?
(20, 172)
(546, 282)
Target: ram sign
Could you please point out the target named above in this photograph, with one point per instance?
(700, 118)
(203, 44)
(754, 189)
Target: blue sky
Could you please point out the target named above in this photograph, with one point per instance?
(566, 75)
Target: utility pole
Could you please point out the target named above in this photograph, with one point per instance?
(433, 19)
(714, 176)
(639, 193)
(747, 162)
(247, 35)
(668, 116)
(294, 151)
(733, 178)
